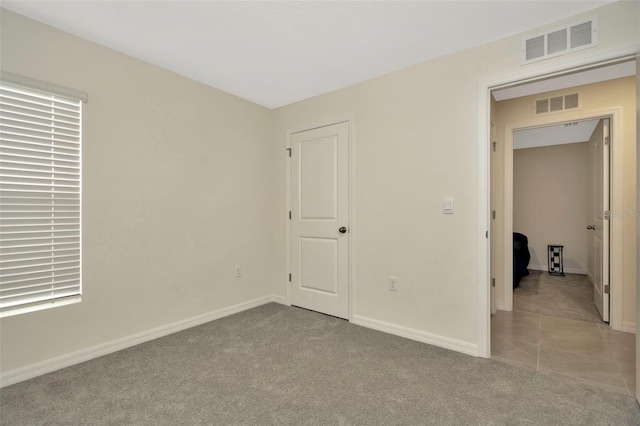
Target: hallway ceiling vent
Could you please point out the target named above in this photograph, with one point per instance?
(560, 41)
(555, 104)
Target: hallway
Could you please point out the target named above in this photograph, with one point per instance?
(579, 350)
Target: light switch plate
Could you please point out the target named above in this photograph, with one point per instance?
(447, 205)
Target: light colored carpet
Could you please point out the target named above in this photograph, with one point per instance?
(278, 365)
(570, 296)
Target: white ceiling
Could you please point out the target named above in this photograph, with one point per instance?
(570, 132)
(275, 53)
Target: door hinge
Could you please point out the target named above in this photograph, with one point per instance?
(495, 146)
(289, 214)
(493, 214)
(486, 235)
(289, 149)
(607, 215)
(493, 282)
(607, 140)
(607, 288)
(289, 277)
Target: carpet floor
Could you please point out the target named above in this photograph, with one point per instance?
(279, 365)
(569, 296)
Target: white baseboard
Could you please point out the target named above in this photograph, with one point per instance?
(500, 307)
(566, 270)
(629, 327)
(53, 364)
(420, 336)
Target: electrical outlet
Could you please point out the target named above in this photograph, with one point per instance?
(393, 283)
(238, 271)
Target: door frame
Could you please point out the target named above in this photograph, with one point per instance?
(483, 213)
(616, 232)
(349, 119)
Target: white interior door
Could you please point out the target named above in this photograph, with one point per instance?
(600, 225)
(319, 220)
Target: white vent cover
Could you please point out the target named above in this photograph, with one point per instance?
(560, 41)
(555, 104)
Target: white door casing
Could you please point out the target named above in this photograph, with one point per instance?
(319, 212)
(599, 228)
(484, 203)
(493, 240)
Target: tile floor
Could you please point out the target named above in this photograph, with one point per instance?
(579, 350)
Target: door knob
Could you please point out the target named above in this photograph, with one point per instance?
(592, 227)
(342, 230)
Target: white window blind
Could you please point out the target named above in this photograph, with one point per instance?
(40, 198)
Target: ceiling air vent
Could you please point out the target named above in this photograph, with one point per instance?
(542, 106)
(555, 104)
(571, 101)
(560, 41)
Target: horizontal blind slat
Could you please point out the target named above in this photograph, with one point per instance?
(17, 127)
(29, 256)
(40, 283)
(36, 250)
(15, 118)
(15, 170)
(38, 271)
(38, 102)
(26, 282)
(70, 147)
(18, 112)
(38, 264)
(15, 135)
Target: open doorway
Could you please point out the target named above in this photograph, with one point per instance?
(614, 98)
(560, 239)
(548, 341)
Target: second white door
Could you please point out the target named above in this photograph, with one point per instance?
(319, 219)
(599, 237)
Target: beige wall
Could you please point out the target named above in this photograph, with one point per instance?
(597, 97)
(550, 202)
(182, 182)
(177, 185)
(416, 135)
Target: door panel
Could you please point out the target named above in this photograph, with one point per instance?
(319, 208)
(318, 266)
(318, 180)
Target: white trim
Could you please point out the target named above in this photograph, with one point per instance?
(350, 119)
(287, 220)
(420, 336)
(352, 215)
(47, 366)
(566, 270)
(532, 73)
(484, 223)
(629, 327)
